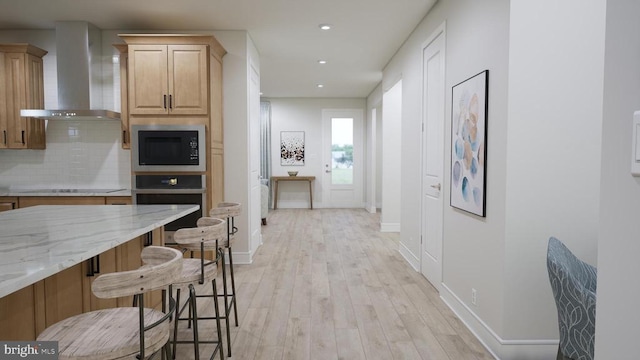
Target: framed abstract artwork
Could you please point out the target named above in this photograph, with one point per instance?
(292, 148)
(469, 107)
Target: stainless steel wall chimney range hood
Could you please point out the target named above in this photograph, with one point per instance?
(78, 58)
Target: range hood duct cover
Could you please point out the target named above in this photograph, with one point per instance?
(79, 54)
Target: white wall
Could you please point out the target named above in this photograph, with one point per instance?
(553, 141)
(477, 39)
(502, 256)
(617, 312)
(303, 114)
(391, 146)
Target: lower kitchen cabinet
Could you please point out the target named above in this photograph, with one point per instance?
(8, 203)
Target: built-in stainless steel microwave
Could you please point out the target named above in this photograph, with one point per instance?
(168, 148)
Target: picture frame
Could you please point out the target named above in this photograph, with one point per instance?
(469, 109)
(292, 148)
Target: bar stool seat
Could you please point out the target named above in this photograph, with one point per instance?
(111, 334)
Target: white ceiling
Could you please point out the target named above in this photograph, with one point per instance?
(365, 34)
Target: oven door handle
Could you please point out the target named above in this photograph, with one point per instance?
(168, 191)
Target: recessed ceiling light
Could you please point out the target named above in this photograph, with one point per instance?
(322, 62)
(320, 86)
(325, 27)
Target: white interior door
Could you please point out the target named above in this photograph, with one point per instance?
(342, 158)
(433, 157)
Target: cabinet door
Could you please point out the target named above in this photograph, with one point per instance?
(124, 100)
(102, 264)
(17, 315)
(148, 94)
(188, 80)
(24, 89)
(34, 78)
(63, 294)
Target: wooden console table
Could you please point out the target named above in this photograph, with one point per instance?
(276, 179)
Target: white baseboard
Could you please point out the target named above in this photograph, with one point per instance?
(522, 349)
(389, 227)
(244, 258)
(371, 209)
(411, 258)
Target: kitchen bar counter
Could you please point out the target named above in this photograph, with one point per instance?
(40, 241)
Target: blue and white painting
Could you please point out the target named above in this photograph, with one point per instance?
(468, 143)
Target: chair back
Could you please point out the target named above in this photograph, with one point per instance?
(226, 209)
(202, 236)
(164, 265)
(573, 283)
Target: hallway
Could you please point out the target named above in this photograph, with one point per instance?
(327, 285)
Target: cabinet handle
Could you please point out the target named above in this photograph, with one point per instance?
(93, 266)
(164, 102)
(148, 239)
(23, 137)
(124, 136)
(5, 137)
(170, 102)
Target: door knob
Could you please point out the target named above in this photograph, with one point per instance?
(436, 186)
(327, 171)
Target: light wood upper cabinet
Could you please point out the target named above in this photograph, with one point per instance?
(21, 79)
(168, 79)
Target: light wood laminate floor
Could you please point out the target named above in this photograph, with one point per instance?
(326, 284)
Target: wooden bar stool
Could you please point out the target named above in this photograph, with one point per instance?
(228, 211)
(196, 271)
(115, 333)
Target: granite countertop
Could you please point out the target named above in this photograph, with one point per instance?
(40, 241)
(64, 192)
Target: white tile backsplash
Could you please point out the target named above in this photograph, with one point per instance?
(79, 154)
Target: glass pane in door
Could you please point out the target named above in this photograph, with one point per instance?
(342, 151)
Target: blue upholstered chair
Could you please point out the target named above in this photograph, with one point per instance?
(574, 288)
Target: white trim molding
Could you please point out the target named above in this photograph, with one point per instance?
(390, 227)
(411, 258)
(520, 349)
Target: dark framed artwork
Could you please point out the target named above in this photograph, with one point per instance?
(292, 148)
(469, 107)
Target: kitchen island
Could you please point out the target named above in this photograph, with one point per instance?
(49, 254)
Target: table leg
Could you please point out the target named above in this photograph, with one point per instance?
(275, 196)
(310, 195)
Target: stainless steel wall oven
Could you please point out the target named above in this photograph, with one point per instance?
(172, 189)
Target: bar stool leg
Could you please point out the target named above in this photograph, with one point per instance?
(217, 311)
(194, 312)
(233, 286)
(175, 323)
(225, 295)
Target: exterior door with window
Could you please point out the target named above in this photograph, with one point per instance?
(342, 158)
